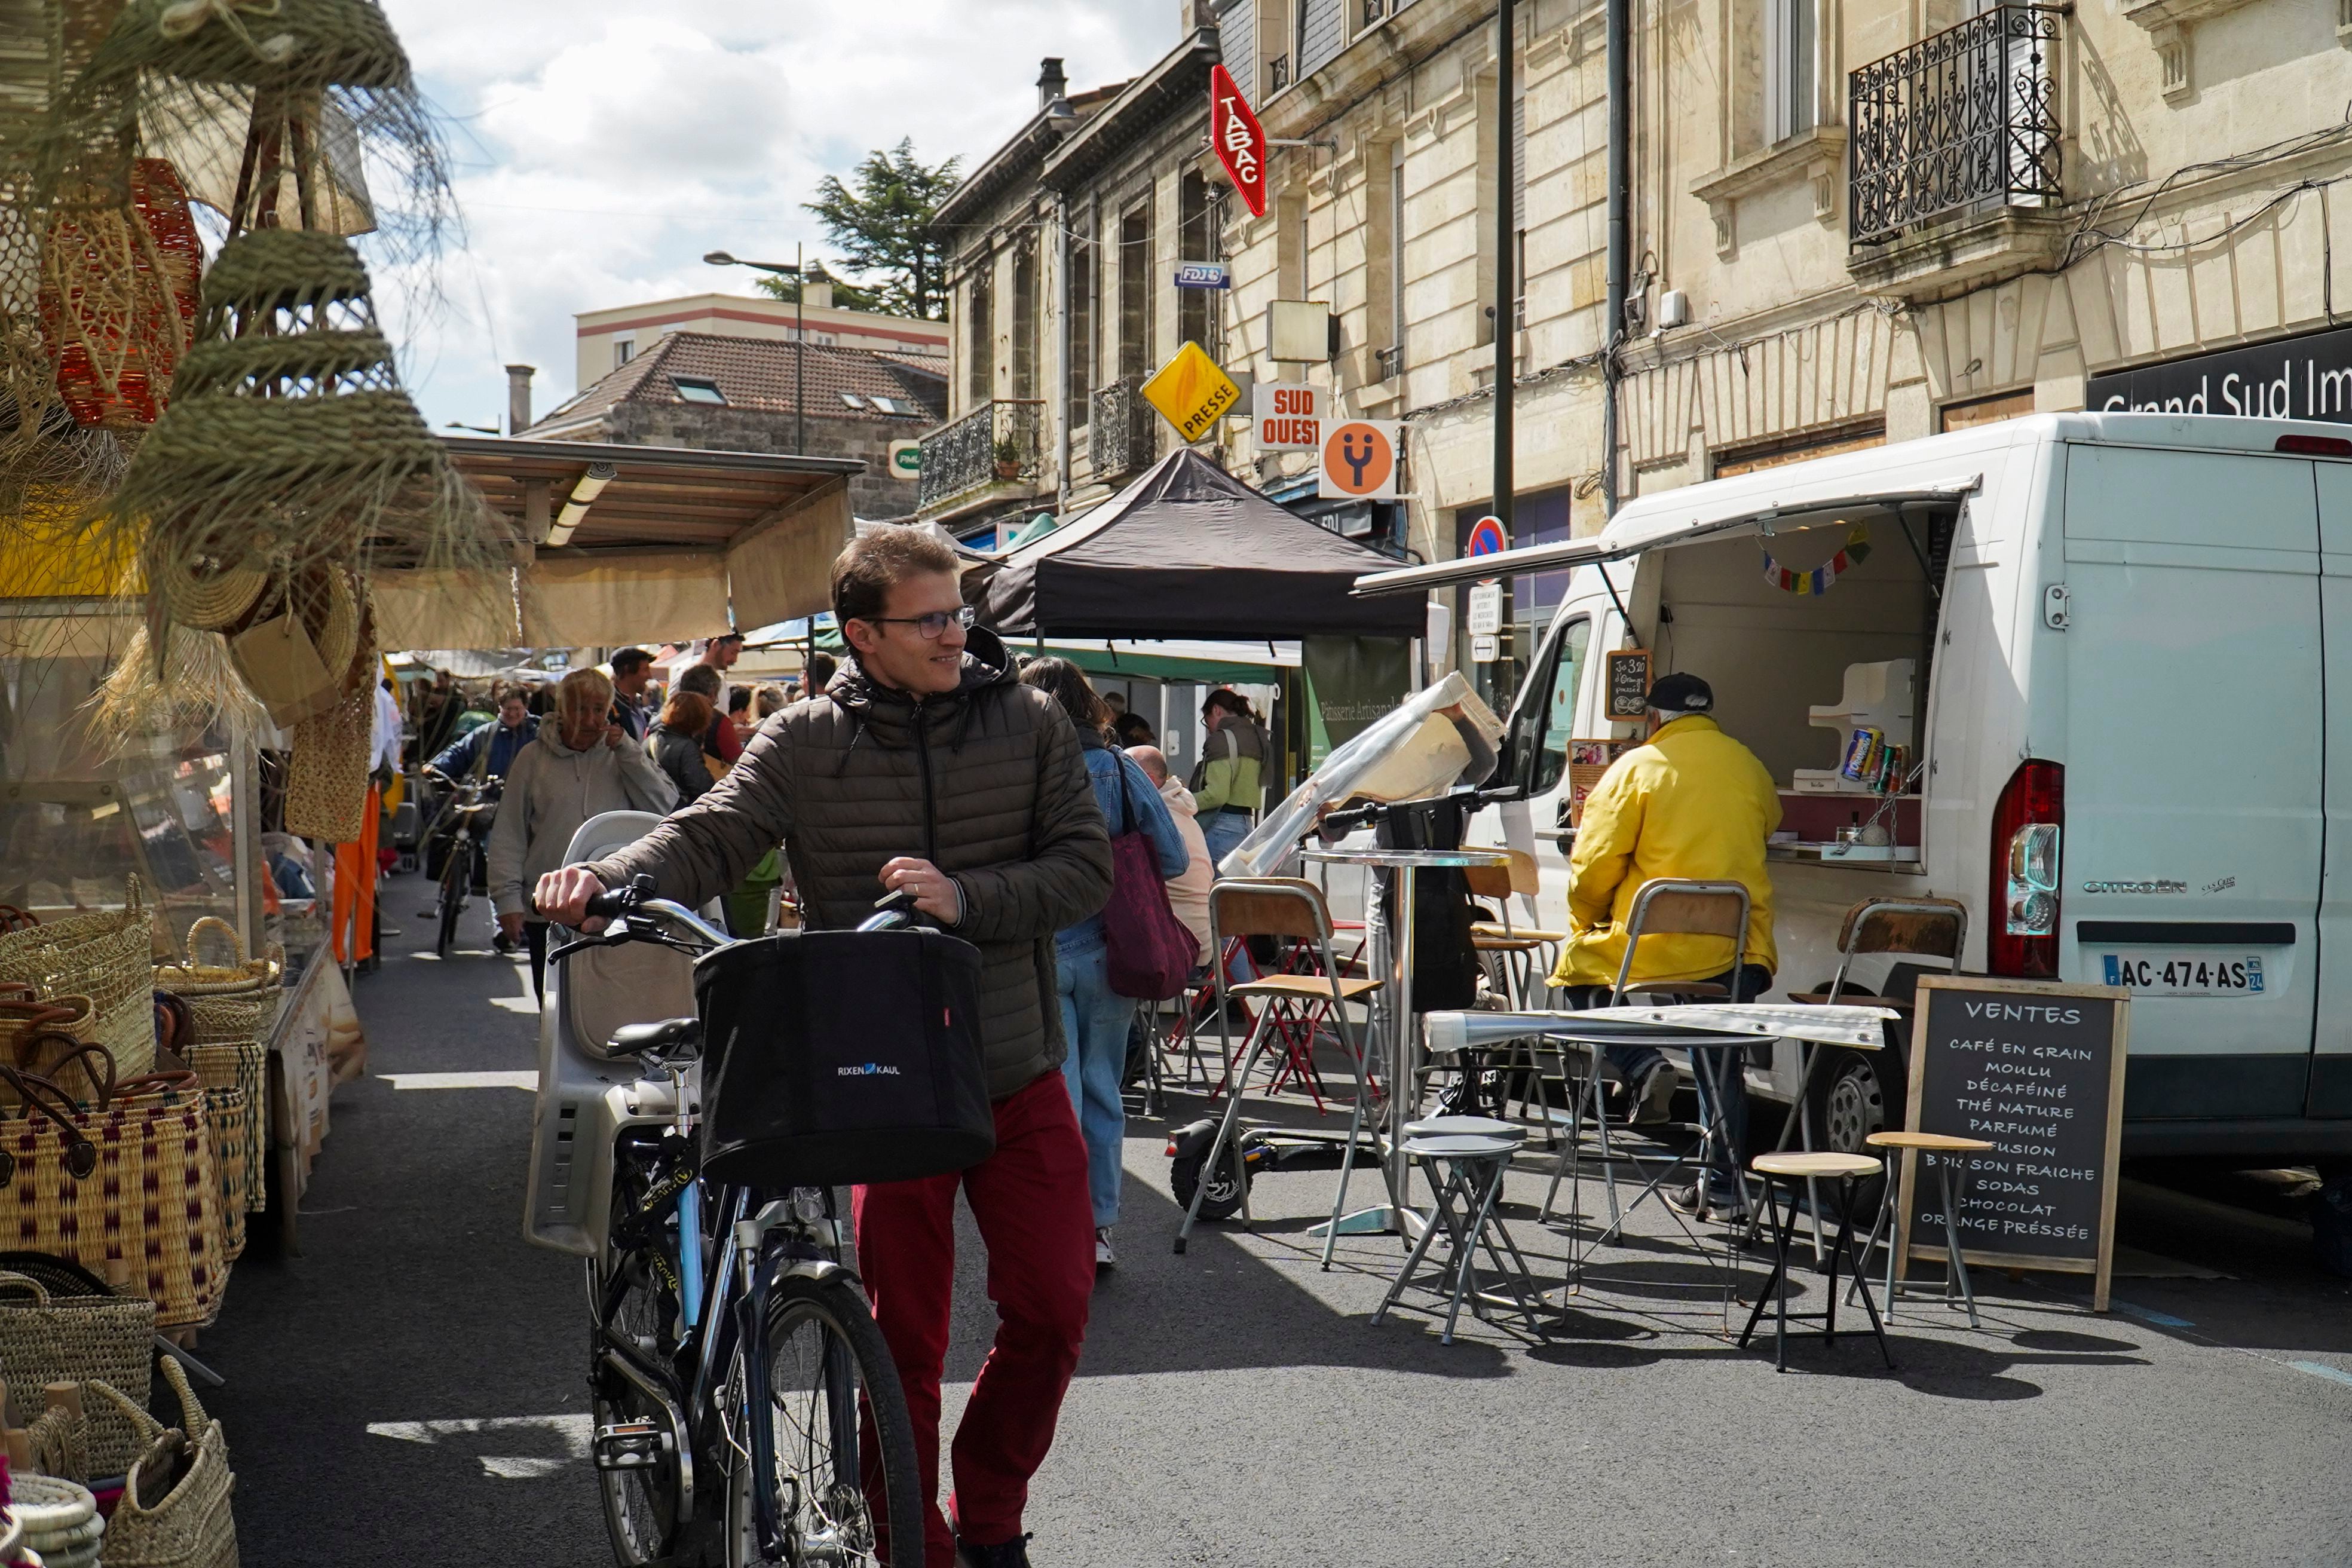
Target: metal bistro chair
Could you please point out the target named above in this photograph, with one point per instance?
(1920, 927)
(1663, 906)
(1281, 907)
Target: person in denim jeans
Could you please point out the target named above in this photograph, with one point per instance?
(1095, 1018)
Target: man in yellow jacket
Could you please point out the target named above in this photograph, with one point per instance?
(1693, 802)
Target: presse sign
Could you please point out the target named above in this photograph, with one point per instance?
(2308, 377)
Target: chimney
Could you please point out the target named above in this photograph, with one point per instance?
(1051, 83)
(816, 287)
(518, 397)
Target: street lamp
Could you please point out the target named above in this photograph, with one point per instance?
(797, 273)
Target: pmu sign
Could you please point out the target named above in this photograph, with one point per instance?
(1238, 139)
(1359, 461)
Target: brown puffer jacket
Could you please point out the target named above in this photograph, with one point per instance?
(986, 783)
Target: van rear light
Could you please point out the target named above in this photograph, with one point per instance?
(2022, 940)
(2314, 445)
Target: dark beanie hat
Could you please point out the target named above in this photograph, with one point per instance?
(1680, 693)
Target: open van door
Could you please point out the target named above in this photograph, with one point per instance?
(2189, 628)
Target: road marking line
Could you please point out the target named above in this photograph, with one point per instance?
(2321, 1368)
(2150, 1315)
(573, 1432)
(527, 1078)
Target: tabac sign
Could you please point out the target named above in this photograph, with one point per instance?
(2309, 377)
(1239, 142)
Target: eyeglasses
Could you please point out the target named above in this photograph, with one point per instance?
(932, 627)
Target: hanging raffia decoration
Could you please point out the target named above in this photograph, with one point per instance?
(289, 446)
(275, 113)
(197, 689)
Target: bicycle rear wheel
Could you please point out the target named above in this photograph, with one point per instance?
(641, 1511)
(847, 1491)
(453, 896)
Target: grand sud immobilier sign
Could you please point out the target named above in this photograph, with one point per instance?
(2307, 377)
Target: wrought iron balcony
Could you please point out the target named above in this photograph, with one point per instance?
(1123, 433)
(1278, 74)
(1965, 118)
(1391, 361)
(998, 443)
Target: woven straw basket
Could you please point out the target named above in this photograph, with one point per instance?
(239, 1069)
(107, 956)
(39, 1034)
(189, 1526)
(79, 1339)
(195, 977)
(326, 780)
(231, 1117)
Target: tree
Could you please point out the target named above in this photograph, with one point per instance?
(881, 220)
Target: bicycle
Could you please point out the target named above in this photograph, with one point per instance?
(711, 1292)
(470, 802)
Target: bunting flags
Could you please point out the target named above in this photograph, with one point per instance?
(1817, 581)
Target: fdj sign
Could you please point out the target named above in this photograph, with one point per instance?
(2303, 378)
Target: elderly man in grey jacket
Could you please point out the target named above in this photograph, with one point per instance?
(580, 765)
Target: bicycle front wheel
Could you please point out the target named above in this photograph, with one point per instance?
(845, 1486)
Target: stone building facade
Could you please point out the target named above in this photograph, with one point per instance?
(1867, 220)
(1852, 222)
(1066, 245)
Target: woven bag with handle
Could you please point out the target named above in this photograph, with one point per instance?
(167, 1522)
(132, 1178)
(62, 1023)
(230, 1116)
(237, 1069)
(107, 956)
(46, 1338)
(195, 976)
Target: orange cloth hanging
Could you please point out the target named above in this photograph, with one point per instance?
(354, 935)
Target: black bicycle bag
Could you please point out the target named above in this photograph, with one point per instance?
(841, 1057)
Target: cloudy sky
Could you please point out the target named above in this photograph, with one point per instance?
(601, 146)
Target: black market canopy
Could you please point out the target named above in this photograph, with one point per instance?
(1188, 551)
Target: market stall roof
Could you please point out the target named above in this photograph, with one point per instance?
(1188, 551)
(629, 540)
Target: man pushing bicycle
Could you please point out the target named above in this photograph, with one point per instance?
(927, 766)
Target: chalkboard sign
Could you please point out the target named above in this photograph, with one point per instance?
(1629, 683)
(2037, 1070)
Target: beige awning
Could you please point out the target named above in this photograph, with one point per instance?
(635, 542)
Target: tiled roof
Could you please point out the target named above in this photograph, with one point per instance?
(759, 373)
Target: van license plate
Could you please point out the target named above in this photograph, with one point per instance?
(2186, 974)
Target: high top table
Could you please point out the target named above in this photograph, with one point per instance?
(1392, 957)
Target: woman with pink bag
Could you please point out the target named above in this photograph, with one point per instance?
(1095, 1017)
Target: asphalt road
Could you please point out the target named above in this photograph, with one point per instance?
(411, 1387)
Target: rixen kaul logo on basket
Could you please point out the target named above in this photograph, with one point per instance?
(867, 1069)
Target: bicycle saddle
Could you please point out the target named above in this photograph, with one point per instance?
(633, 1039)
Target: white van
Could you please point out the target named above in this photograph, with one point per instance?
(2122, 628)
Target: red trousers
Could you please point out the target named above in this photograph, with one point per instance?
(1030, 1199)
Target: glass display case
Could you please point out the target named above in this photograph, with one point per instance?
(179, 811)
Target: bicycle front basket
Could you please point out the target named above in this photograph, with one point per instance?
(841, 1057)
